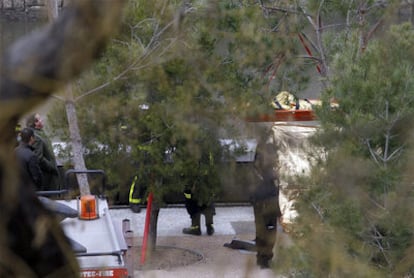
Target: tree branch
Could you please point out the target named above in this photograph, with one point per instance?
(150, 48)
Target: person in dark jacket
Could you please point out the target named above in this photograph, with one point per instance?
(44, 151)
(28, 161)
(265, 201)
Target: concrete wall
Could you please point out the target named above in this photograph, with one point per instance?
(23, 4)
(24, 10)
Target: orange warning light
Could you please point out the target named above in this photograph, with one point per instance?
(88, 207)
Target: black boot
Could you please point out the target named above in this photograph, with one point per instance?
(264, 265)
(210, 229)
(263, 261)
(135, 208)
(193, 230)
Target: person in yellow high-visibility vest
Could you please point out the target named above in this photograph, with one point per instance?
(136, 193)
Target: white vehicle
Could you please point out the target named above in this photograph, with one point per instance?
(99, 245)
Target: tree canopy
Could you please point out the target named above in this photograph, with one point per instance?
(359, 198)
(174, 75)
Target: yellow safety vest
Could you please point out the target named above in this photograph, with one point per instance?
(133, 200)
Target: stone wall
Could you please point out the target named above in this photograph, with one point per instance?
(23, 4)
(17, 10)
(10, 4)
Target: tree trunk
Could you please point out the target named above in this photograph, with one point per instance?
(152, 239)
(152, 236)
(78, 160)
(152, 233)
(75, 138)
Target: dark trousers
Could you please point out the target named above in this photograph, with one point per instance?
(265, 214)
(195, 211)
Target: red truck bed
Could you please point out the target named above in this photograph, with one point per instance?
(284, 116)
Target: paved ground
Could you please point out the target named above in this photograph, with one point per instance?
(171, 221)
(218, 261)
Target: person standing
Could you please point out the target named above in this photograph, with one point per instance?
(136, 195)
(44, 151)
(265, 201)
(202, 186)
(28, 161)
(195, 210)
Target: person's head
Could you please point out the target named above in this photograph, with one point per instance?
(27, 135)
(34, 121)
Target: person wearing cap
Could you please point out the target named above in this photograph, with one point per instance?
(28, 161)
(44, 151)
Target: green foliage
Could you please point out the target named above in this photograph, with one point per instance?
(360, 193)
(140, 117)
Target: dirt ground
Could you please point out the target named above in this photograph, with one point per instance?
(196, 256)
(173, 252)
